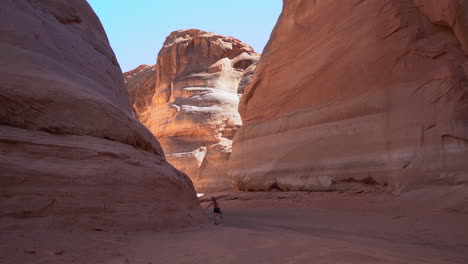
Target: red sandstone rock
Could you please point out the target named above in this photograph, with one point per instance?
(358, 94)
(140, 84)
(190, 103)
(70, 148)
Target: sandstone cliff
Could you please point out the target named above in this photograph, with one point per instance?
(356, 95)
(140, 84)
(190, 101)
(71, 152)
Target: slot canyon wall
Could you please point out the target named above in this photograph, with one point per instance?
(71, 151)
(358, 95)
(189, 101)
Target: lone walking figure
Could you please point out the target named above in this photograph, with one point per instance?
(216, 210)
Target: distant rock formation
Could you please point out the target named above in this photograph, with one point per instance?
(70, 148)
(353, 95)
(190, 102)
(140, 84)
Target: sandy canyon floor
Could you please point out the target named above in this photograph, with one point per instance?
(429, 226)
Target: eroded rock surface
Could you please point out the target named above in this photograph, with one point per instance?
(356, 95)
(140, 83)
(192, 105)
(71, 152)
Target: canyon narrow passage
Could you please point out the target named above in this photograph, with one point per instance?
(341, 139)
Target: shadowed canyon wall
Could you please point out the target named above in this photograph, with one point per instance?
(358, 94)
(189, 100)
(71, 152)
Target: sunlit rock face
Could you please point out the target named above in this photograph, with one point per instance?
(190, 102)
(140, 83)
(71, 152)
(358, 95)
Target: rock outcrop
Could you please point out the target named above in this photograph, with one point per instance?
(140, 84)
(71, 152)
(358, 95)
(190, 103)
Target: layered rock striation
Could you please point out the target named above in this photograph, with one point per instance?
(352, 95)
(71, 152)
(190, 102)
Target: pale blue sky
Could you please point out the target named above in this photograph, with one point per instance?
(137, 28)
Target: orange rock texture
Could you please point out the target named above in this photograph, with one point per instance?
(189, 100)
(358, 94)
(71, 151)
